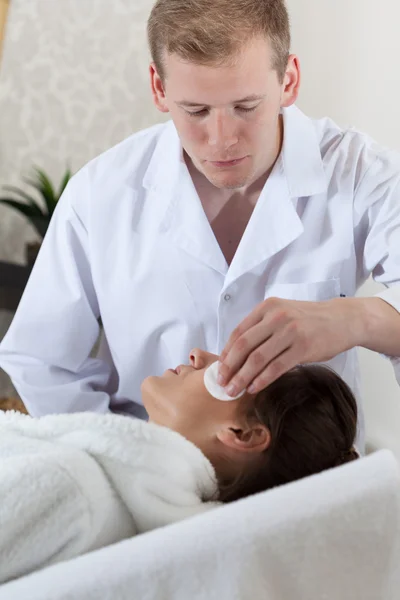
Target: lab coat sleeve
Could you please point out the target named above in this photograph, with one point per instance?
(46, 350)
(377, 230)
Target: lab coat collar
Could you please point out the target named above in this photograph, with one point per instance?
(298, 172)
(179, 209)
(164, 165)
(273, 225)
(301, 155)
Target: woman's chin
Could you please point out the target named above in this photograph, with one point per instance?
(152, 399)
(147, 391)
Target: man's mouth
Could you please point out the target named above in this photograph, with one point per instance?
(227, 163)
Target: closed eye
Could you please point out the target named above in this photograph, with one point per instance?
(203, 112)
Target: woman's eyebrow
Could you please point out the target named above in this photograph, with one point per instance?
(251, 98)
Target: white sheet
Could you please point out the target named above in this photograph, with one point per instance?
(333, 536)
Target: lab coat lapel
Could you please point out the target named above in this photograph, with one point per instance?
(184, 220)
(191, 229)
(274, 224)
(297, 173)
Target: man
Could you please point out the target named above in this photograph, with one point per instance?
(239, 215)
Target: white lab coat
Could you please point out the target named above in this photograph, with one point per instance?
(130, 242)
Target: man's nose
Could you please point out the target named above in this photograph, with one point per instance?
(199, 359)
(222, 132)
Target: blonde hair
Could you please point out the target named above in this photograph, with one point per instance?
(212, 32)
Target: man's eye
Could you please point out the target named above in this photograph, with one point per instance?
(198, 113)
(242, 108)
(203, 112)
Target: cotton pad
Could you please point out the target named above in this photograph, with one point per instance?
(213, 388)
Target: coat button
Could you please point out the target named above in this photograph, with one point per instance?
(227, 297)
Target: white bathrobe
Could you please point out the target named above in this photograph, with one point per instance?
(72, 483)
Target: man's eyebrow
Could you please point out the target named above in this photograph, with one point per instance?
(250, 98)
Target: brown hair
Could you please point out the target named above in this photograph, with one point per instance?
(311, 414)
(212, 32)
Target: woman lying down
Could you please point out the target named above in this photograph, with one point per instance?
(76, 482)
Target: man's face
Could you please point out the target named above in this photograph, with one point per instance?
(226, 113)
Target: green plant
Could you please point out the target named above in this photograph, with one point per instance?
(37, 212)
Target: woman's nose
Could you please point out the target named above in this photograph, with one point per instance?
(200, 359)
(196, 358)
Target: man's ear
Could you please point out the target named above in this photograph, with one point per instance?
(157, 89)
(291, 84)
(254, 438)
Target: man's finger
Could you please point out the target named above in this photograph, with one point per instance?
(250, 321)
(240, 351)
(257, 361)
(276, 368)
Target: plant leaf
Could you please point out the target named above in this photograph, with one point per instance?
(64, 182)
(36, 185)
(41, 224)
(25, 209)
(46, 189)
(31, 201)
(39, 221)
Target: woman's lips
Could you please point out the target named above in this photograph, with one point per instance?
(180, 368)
(175, 371)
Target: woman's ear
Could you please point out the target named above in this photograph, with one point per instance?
(254, 438)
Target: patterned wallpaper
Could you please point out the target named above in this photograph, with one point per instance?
(3, 17)
(73, 82)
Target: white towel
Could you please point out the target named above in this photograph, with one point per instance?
(73, 483)
(332, 536)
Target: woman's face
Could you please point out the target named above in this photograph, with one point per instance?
(179, 400)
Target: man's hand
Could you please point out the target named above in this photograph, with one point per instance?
(280, 334)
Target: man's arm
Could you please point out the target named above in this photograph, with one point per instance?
(377, 325)
(46, 350)
(279, 334)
